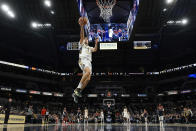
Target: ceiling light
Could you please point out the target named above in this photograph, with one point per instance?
(169, 1)
(164, 9)
(184, 21)
(46, 25)
(52, 12)
(47, 3)
(5, 7)
(11, 14)
(7, 10)
(34, 24)
(37, 25)
(170, 22)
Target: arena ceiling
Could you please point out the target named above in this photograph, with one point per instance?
(174, 45)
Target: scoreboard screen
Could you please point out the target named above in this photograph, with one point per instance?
(141, 45)
(108, 32)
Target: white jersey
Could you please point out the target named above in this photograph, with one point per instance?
(125, 113)
(85, 113)
(128, 115)
(85, 51)
(102, 115)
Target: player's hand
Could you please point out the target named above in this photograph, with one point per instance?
(80, 21)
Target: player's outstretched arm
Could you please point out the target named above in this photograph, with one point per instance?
(96, 45)
(80, 21)
(81, 34)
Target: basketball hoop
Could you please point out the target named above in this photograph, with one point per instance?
(106, 7)
(108, 105)
(108, 102)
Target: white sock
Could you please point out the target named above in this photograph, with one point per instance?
(80, 85)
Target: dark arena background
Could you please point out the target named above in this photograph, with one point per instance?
(143, 74)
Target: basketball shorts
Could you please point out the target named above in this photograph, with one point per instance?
(83, 63)
(85, 117)
(161, 118)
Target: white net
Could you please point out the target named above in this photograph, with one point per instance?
(106, 7)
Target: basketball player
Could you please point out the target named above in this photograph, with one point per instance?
(46, 117)
(79, 114)
(160, 113)
(145, 115)
(125, 115)
(85, 58)
(187, 115)
(128, 117)
(85, 115)
(102, 117)
(65, 115)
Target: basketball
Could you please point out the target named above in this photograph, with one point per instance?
(81, 21)
(85, 20)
